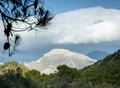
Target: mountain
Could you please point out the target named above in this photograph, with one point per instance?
(48, 63)
(97, 54)
(104, 71)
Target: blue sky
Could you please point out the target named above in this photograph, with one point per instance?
(60, 6)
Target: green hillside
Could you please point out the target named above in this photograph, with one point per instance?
(104, 71)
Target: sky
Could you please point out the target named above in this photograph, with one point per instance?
(79, 25)
(61, 6)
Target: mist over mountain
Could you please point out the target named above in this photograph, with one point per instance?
(48, 63)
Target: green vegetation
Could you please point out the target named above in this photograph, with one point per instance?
(12, 75)
(103, 74)
(13, 66)
(104, 71)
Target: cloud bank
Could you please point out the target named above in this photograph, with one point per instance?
(90, 25)
(94, 25)
(83, 26)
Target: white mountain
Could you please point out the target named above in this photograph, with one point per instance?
(48, 63)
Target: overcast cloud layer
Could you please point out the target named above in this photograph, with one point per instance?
(84, 26)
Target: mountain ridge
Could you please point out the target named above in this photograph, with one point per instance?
(57, 57)
(98, 54)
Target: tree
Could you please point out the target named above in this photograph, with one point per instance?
(30, 13)
(68, 73)
(33, 74)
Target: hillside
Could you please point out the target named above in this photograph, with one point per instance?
(15, 75)
(13, 66)
(49, 62)
(106, 70)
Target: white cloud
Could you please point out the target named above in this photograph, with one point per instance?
(88, 25)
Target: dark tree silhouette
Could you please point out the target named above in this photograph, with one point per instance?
(31, 13)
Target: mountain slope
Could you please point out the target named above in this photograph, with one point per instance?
(97, 54)
(106, 70)
(49, 62)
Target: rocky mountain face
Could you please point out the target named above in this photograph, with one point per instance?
(48, 63)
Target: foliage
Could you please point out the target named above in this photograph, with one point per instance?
(104, 71)
(16, 80)
(13, 66)
(64, 70)
(35, 75)
(29, 13)
(13, 77)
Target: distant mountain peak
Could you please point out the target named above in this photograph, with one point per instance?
(107, 69)
(97, 54)
(48, 63)
(58, 51)
(113, 58)
(64, 52)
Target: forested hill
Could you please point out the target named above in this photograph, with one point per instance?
(106, 70)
